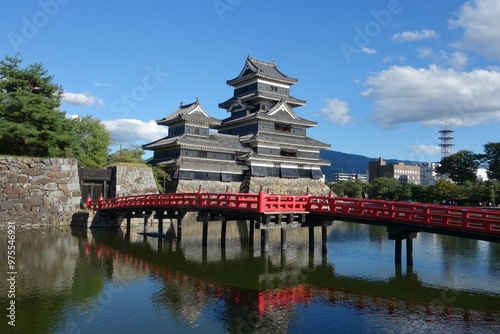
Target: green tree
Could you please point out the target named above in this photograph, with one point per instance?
(492, 158)
(419, 193)
(353, 189)
(30, 121)
(461, 166)
(92, 140)
(403, 192)
(384, 188)
(133, 154)
(444, 191)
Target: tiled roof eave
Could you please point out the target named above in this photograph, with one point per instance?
(290, 81)
(195, 120)
(288, 121)
(216, 148)
(291, 161)
(324, 146)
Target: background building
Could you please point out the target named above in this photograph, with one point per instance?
(337, 177)
(428, 175)
(404, 173)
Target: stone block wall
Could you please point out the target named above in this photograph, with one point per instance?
(132, 180)
(36, 191)
(190, 186)
(275, 185)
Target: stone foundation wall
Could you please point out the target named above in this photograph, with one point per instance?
(190, 186)
(132, 180)
(275, 185)
(35, 191)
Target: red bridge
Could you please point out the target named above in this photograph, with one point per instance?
(402, 219)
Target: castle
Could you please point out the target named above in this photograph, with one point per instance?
(261, 145)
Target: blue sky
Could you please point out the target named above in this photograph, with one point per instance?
(380, 77)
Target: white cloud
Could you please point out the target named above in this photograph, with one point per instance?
(393, 58)
(433, 95)
(481, 26)
(368, 50)
(102, 84)
(429, 150)
(337, 112)
(426, 52)
(457, 59)
(408, 36)
(129, 131)
(82, 99)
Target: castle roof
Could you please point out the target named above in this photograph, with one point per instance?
(193, 112)
(262, 69)
(281, 112)
(262, 95)
(214, 141)
(272, 138)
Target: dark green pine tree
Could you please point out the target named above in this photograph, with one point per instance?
(31, 123)
(461, 166)
(492, 157)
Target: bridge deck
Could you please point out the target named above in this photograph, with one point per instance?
(469, 222)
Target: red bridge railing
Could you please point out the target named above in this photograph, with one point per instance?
(453, 217)
(261, 202)
(463, 218)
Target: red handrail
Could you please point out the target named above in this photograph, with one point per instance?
(455, 217)
(463, 218)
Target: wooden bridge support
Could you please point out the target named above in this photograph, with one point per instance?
(204, 239)
(179, 229)
(283, 238)
(311, 237)
(324, 239)
(264, 240)
(146, 216)
(397, 233)
(159, 216)
(223, 234)
(251, 234)
(127, 231)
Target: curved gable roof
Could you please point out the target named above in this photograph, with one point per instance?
(190, 112)
(254, 67)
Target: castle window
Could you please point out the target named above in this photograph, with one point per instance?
(288, 153)
(283, 128)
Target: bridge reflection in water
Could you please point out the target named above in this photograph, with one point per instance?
(256, 287)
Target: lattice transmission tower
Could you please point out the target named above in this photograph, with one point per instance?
(446, 137)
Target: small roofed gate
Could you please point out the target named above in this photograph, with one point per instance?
(95, 183)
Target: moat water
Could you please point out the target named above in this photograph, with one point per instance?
(73, 280)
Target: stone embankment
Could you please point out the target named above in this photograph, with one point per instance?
(38, 192)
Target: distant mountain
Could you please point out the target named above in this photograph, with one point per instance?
(349, 163)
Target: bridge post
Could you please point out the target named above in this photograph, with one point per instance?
(283, 238)
(409, 250)
(223, 234)
(159, 215)
(205, 233)
(264, 240)
(324, 239)
(397, 250)
(179, 229)
(146, 216)
(251, 233)
(127, 232)
(311, 237)
(398, 233)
